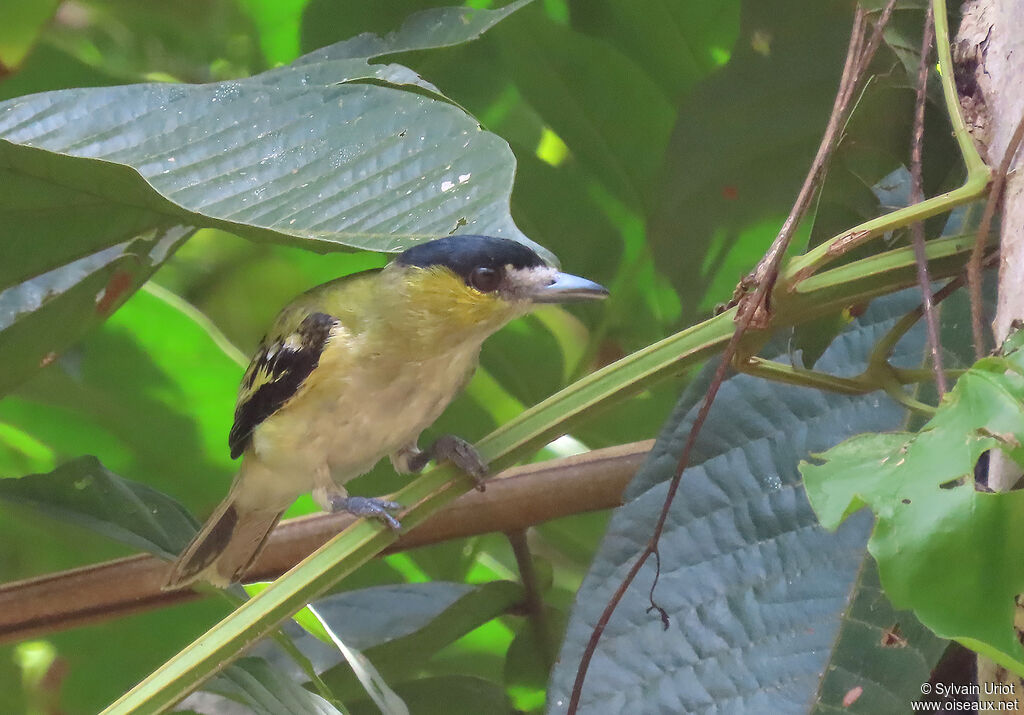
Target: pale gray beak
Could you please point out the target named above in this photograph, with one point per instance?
(568, 288)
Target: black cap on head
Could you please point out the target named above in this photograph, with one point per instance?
(464, 254)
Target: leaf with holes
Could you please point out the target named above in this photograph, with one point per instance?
(932, 525)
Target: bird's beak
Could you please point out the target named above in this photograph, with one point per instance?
(568, 288)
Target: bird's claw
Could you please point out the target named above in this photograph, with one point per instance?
(369, 507)
(451, 449)
(463, 455)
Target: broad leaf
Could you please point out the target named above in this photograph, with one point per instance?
(85, 493)
(324, 149)
(765, 607)
(330, 151)
(929, 515)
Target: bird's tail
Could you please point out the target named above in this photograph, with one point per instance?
(225, 547)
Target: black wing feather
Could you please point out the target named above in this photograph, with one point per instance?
(283, 366)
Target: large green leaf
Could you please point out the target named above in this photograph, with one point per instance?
(325, 149)
(766, 608)
(330, 151)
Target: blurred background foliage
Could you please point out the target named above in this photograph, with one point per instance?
(659, 145)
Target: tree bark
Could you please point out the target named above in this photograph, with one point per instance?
(989, 54)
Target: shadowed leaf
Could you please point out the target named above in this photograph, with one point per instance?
(85, 493)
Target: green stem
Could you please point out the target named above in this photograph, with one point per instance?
(912, 376)
(978, 173)
(894, 390)
(306, 664)
(825, 253)
(976, 167)
(286, 643)
(802, 377)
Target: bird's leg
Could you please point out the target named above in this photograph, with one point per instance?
(333, 498)
(462, 454)
(368, 506)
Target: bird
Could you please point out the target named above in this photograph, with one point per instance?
(353, 371)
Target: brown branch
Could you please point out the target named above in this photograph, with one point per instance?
(753, 311)
(514, 500)
(917, 196)
(974, 264)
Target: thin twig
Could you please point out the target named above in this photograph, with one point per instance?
(917, 196)
(651, 549)
(534, 602)
(858, 58)
(974, 264)
(751, 306)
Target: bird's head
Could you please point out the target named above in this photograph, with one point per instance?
(479, 283)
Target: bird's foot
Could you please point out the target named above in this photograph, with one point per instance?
(457, 451)
(368, 506)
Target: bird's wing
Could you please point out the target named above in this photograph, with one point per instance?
(280, 366)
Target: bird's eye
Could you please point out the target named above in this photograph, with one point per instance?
(485, 279)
